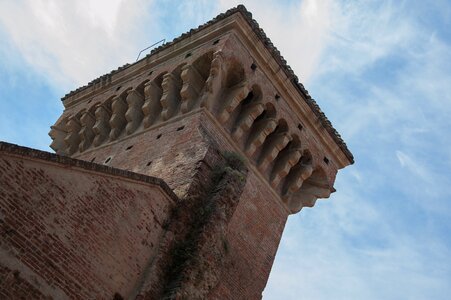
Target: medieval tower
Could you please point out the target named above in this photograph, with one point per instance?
(173, 176)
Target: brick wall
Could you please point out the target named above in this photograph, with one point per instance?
(71, 229)
(255, 228)
(170, 152)
(85, 233)
(253, 233)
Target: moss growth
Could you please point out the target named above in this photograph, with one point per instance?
(235, 161)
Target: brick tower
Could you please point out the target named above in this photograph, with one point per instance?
(219, 116)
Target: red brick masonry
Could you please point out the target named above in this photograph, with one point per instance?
(74, 229)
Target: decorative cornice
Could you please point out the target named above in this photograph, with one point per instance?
(268, 45)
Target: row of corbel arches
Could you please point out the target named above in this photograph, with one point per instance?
(135, 108)
(278, 153)
(223, 89)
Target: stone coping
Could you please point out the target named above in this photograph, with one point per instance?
(31, 153)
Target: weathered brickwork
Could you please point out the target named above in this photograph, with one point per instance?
(256, 227)
(169, 152)
(76, 233)
(13, 286)
(235, 145)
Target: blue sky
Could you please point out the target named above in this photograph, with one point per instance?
(380, 70)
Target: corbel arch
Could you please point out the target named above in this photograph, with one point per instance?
(262, 126)
(152, 108)
(314, 187)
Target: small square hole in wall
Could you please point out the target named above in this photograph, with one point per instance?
(158, 136)
(277, 97)
(93, 159)
(118, 88)
(326, 160)
(188, 55)
(150, 73)
(149, 163)
(253, 67)
(180, 128)
(129, 147)
(300, 127)
(215, 42)
(107, 160)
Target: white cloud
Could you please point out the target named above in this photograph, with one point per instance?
(413, 166)
(75, 42)
(346, 248)
(361, 243)
(384, 82)
(299, 29)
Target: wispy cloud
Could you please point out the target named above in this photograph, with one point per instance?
(74, 42)
(380, 71)
(413, 166)
(299, 29)
(382, 79)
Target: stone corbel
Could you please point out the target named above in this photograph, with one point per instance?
(102, 126)
(152, 107)
(214, 84)
(246, 119)
(87, 134)
(117, 121)
(298, 174)
(287, 159)
(58, 134)
(232, 100)
(134, 114)
(72, 139)
(274, 146)
(170, 100)
(307, 196)
(192, 87)
(259, 133)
